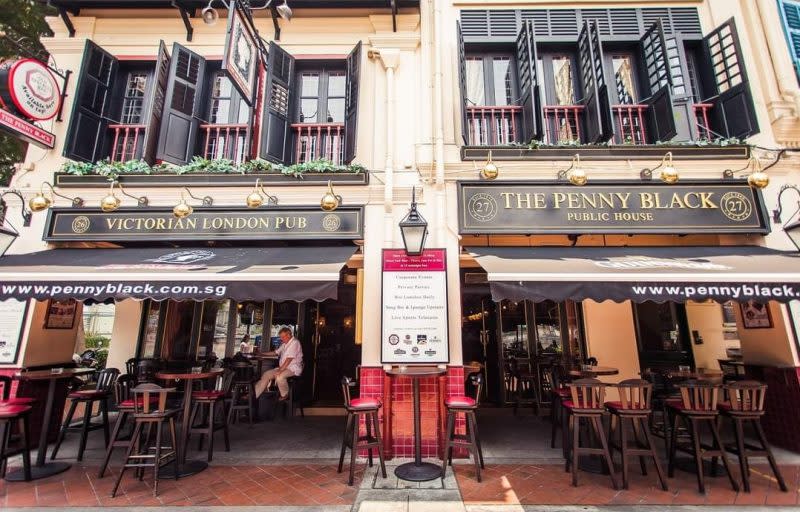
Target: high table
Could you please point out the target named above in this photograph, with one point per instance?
(417, 471)
(594, 371)
(185, 468)
(42, 469)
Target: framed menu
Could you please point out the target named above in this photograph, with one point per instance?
(414, 326)
(12, 321)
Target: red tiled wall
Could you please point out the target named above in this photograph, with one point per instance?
(782, 405)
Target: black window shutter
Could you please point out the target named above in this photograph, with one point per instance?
(351, 103)
(597, 108)
(87, 135)
(529, 93)
(158, 92)
(656, 74)
(733, 112)
(181, 117)
(462, 83)
(275, 127)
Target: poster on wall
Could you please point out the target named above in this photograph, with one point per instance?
(61, 314)
(12, 321)
(414, 308)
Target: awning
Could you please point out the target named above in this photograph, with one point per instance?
(240, 273)
(641, 274)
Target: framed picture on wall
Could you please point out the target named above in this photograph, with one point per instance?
(755, 315)
(61, 314)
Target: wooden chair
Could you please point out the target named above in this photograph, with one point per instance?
(10, 414)
(100, 395)
(356, 409)
(731, 371)
(555, 380)
(697, 407)
(746, 404)
(5, 396)
(146, 370)
(131, 365)
(470, 440)
(147, 414)
(634, 405)
(586, 403)
(206, 402)
(524, 382)
(243, 388)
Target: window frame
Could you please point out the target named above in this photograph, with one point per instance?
(546, 58)
(487, 58)
(324, 69)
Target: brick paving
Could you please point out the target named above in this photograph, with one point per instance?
(277, 485)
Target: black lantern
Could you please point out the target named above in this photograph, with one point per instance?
(7, 237)
(7, 233)
(793, 232)
(792, 229)
(414, 229)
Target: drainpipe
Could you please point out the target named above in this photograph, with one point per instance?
(438, 124)
(390, 58)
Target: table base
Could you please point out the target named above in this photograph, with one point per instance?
(188, 468)
(39, 472)
(421, 472)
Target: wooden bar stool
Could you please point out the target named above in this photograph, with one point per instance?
(356, 408)
(5, 396)
(9, 414)
(634, 405)
(471, 440)
(243, 389)
(697, 407)
(746, 404)
(555, 382)
(586, 403)
(152, 416)
(100, 395)
(205, 403)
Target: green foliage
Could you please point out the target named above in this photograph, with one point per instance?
(99, 344)
(256, 166)
(204, 165)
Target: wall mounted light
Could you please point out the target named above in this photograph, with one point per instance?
(210, 15)
(330, 200)
(9, 234)
(111, 202)
(757, 177)
(490, 170)
(258, 196)
(668, 174)
(574, 173)
(184, 209)
(41, 201)
(791, 228)
(414, 228)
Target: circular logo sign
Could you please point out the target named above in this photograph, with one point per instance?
(80, 224)
(331, 222)
(394, 339)
(482, 207)
(736, 206)
(34, 89)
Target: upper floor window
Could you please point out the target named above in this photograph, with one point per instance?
(790, 13)
(322, 96)
(133, 102)
(491, 80)
(226, 105)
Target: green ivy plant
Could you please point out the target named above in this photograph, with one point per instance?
(203, 165)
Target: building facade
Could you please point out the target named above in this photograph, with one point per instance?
(425, 95)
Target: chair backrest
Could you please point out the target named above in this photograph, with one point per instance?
(243, 371)
(5, 382)
(588, 394)
(477, 382)
(731, 370)
(347, 383)
(699, 395)
(106, 379)
(635, 394)
(142, 398)
(224, 382)
(747, 396)
(122, 388)
(130, 365)
(146, 370)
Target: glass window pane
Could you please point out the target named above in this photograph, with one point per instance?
(564, 84)
(150, 330)
(335, 112)
(249, 323)
(222, 87)
(336, 84)
(220, 111)
(476, 95)
(309, 84)
(308, 110)
(213, 330)
(502, 78)
(548, 327)
(623, 77)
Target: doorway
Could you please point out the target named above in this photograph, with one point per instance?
(662, 334)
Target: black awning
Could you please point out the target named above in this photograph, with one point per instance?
(240, 273)
(641, 274)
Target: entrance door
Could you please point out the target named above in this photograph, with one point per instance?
(662, 332)
(479, 340)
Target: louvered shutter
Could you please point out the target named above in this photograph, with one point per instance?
(656, 72)
(597, 108)
(275, 134)
(791, 25)
(529, 93)
(733, 112)
(351, 103)
(183, 101)
(87, 135)
(462, 83)
(157, 94)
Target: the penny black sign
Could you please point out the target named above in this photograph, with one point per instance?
(610, 207)
(159, 224)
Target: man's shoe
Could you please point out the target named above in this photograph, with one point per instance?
(283, 398)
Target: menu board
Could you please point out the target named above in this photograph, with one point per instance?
(414, 323)
(12, 319)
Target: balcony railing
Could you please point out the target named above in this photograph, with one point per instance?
(630, 124)
(701, 111)
(314, 141)
(493, 126)
(562, 123)
(227, 141)
(128, 141)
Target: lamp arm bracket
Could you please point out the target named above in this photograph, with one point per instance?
(27, 215)
(776, 213)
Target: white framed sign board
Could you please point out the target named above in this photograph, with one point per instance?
(12, 322)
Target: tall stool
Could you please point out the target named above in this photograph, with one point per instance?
(146, 414)
(747, 405)
(554, 377)
(356, 409)
(471, 441)
(294, 402)
(100, 394)
(634, 405)
(697, 407)
(146, 370)
(586, 403)
(205, 403)
(8, 415)
(131, 365)
(5, 396)
(526, 382)
(243, 388)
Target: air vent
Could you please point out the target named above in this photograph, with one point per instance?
(476, 278)
(563, 22)
(601, 16)
(685, 20)
(503, 23)
(541, 25)
(624, 22)
(650, 16)
(474, 23)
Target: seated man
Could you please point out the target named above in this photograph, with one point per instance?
(290, 364)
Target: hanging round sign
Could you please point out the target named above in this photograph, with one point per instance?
(31, 88)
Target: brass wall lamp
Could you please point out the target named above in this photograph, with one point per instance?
(574, 173)
(757, 177)
(668, 174)
(259, 196)
(41, 201)
(111, 202)
(184, 209)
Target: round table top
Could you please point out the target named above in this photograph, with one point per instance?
(416, 371)
(48, 375)
(182, 374)
(693, 374)
(595, 370)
